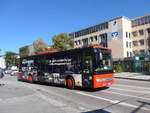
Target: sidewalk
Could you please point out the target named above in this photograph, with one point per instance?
(133, 76)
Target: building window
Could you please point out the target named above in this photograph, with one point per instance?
(127, 44)
(127, 54)
(103, 38)
(85, 42)
(129, 35)
(79, 42)
(95, 38)
(91, 39)
(141, 21)
(141, 42)
(141, 32)
(130, 45)
(135, 43)
(130, 53)
(142, 51)
(148, 31)
(134, 33)
(76, 43)
(89, 30)
(126, 34)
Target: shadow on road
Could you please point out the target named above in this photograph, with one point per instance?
(97, 111)
(90, 89)
(142, 105)
(76, 88)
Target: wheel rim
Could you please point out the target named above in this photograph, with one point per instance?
(70, 83)
(30, 79)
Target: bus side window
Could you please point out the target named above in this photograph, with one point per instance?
(87, 63)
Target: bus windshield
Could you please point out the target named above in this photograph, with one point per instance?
(102, 60)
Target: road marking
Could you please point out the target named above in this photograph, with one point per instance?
(134, 81)
(126, 95)
(85, 94)
(131, 86)
(144, 92)
(112, 101)
(133, 106)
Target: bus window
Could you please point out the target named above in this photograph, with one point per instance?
(102, 61)
(87, 63)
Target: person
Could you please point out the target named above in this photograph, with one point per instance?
(1, 76)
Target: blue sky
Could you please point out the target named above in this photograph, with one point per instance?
(23, 21)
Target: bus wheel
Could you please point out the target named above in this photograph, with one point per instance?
(30, 79)
(70, 83)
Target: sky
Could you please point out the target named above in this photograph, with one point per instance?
(23, 21)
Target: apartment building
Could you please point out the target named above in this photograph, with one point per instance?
(125, 36)
(141, 34)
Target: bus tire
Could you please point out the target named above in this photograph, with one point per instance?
(30, 79)
(70, 83)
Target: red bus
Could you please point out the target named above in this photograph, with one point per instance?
(89, 67)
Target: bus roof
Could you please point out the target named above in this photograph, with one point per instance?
(101, 47)
(47, 52)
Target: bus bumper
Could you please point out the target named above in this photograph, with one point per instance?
(103, 80)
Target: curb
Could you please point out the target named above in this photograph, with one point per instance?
(133, 79)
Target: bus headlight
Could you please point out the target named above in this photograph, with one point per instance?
(104, 79)
(90, 77)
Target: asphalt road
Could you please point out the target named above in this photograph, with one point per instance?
(125, 96)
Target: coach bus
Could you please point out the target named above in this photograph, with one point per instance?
(89, 67)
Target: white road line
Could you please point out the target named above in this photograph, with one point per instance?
(85, 94)
(132, 86)
(133, 106)
(112, 101)
(134, 81)
(126, 95)
(136, 91)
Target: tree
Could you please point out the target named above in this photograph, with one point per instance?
(11, 58)
(39, 45)
(24, 51)
(62, 42)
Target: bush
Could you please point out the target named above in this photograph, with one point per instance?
(117, 68)
(147, 67)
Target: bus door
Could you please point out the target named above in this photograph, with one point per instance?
(41, 69)
(87, 70)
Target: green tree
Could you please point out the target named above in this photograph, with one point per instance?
(24, 51)
(39, 45)
(117, 68)
(11, 58)
(62, 42)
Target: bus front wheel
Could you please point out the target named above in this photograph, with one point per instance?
(70, 83)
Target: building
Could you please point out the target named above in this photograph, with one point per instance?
(125, 36)
(2, 62)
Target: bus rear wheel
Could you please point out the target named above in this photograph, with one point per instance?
(70, 83)
(30, 79)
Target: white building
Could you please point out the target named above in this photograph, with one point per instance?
(2, 62)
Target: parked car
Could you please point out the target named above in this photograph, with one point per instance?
(14, 70)
(8, 70)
